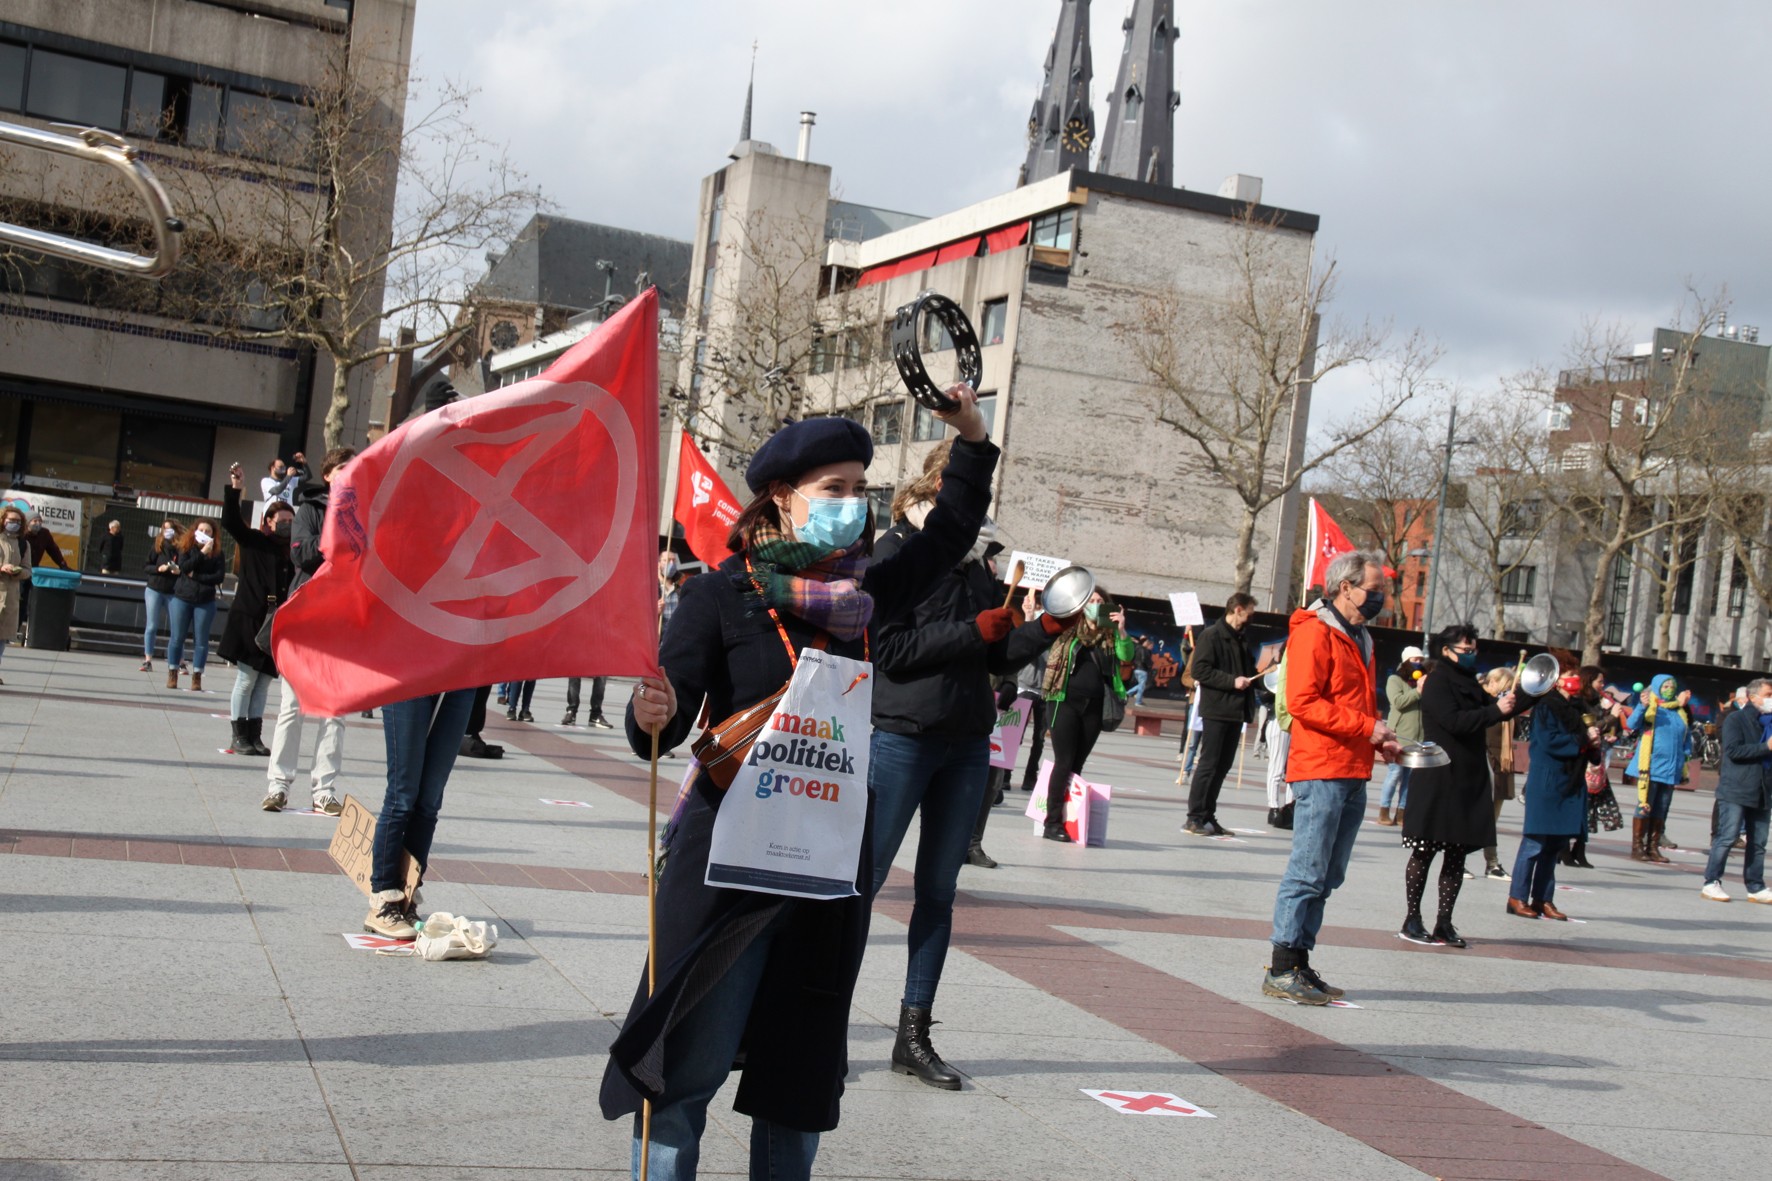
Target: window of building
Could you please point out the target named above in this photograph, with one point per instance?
(148, 115)
(1559, 417)
(165, 456)
(824, 354)
(1678, 655)
(1687, 576)
(1727, 661)
(1513, 637)
(1737, 588)
(701, 363)
(987, 406)
(1421, 582)
(77, 444)
(76, 90)
(880, 504)
(9, 414)
(855, 348)
(268, 128)
(203, 113)
(993, 322)
(925, 426)
(888, 422)
(1054, 229)
(1619, 601)
(12, 75)
(1617, 412)
(935, 336)
(1520, 518)
(1519, 584)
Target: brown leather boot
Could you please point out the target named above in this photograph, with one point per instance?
(172, 677)
(1639, 839)
(1384, 816)
(1523, 910)
(1652, 842)
(196, 682)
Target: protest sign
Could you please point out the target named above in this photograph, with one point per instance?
(1186, 605)
(353, 848)
(1035, 569)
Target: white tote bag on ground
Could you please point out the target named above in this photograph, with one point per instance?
(792, 821)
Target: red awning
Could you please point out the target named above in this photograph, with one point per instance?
(915, 263)
(1007, 238)
(877, 274)
(957, 250)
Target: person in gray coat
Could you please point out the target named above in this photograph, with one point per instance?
(1744, 795)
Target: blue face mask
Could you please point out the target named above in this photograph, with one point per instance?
(833, 522)
(1466, 660)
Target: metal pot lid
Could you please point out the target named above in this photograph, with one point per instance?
(1424, 754)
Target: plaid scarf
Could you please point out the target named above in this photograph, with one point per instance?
(807, 581)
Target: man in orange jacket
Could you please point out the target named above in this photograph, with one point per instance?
(1332, 695)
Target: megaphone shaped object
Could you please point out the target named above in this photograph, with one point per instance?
(1539, 675)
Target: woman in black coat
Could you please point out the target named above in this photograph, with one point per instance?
(264, 567)
(742, 974)
(200, 574)
(1451, 809)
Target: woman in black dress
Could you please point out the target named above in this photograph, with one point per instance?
(1451, 809)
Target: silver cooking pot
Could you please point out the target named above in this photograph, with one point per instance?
(1067, 592)
(1423, 754)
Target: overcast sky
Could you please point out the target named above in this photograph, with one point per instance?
(1492, 173)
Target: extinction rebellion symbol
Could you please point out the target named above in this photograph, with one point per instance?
(530, 437)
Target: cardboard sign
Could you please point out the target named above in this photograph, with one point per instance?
(1186, 605)
(61, 516)
(1147, 1103)
(353, 848)
(1036, 569)
(1012, 726)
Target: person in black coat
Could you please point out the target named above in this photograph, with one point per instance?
(933, 715)
(1451, 809)
(200, 573)
(110, 548)
(161, 571)
(1224, 673)
(262, 561)
(741, 972)
(1744, 794)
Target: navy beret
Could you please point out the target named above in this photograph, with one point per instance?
(801, 446)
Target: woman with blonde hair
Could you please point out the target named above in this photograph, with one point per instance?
(1081, 672)
(200, 572)
(1499, 739)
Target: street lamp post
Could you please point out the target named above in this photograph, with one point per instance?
(1433, 569)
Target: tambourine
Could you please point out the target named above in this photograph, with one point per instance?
(907, 350)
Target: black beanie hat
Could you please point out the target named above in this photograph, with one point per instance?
(801, 446)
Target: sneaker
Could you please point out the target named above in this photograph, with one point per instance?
(147, 667)
(1468, 875)
(329, 804)
(569, 720)
(525, 716)
(387, 915)
(1715, 892)
(274, 800)
(601, 722)
(1198, 830)
(1323, 986)
(1761, 895)
(1215, 829)
(1495, 871)
(1293, 985)
(511, 714)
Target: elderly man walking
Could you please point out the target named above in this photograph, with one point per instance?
(1332, 697)
(1744, 795)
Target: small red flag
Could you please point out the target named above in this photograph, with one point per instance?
(705, 507)
(511, 536)
(1323, 540)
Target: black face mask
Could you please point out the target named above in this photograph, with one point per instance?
(282, 530)
(1372, 604)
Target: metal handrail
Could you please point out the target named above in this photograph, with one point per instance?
(106, 148)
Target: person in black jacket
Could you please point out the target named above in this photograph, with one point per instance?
(200, 572)
(1452, 808)
(161, 569)
(933, 715)
(261, 558)
(735, 966)
(110, 548)
(329, 747)
(1224, 676)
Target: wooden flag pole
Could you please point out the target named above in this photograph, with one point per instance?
(651, 935)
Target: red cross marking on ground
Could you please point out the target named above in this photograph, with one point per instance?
(1143, 1103)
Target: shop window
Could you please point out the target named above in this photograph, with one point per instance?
(76, 90)
(164, 456)
(994, 322)
(76, 444)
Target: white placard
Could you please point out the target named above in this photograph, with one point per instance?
(1036, 569)
(1186, 605)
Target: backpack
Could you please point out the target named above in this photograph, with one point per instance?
(1281, 714)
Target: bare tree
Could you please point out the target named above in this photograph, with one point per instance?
(1230, 376)
(359, 217)
(1635, 420)
(1389, 481)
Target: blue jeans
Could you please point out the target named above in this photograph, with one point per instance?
(1731, 818)
(1141, 680)
(194, 620)
(251, 688)
(423, 737)
(946, 778)
(1661, 798)
(1535, 867)
(157, 602)
(1326, 818)
(1396, 787)
(699, 1054)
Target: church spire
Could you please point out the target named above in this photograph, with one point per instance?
(1139, 141)
(750, 91)
(1062, 126)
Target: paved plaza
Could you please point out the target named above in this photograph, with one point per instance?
(179, 1003)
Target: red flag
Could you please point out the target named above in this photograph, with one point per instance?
(705, 507)
(511, 536)
(1323, 540)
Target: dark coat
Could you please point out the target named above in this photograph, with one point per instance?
(110, 551)
(159, 554)
(304, 534)
(199, 574)
(723, 650)
(43, 545)
(1746, 774)
(1220, 657)
(933, 669)
(1556, 782)
(265, 571)
(1454, 803)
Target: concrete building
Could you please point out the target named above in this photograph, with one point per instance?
(103, 395)
(1049, 272)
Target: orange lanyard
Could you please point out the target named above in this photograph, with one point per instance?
(794, 657)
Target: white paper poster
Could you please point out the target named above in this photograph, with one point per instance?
(1036, 569)
(1186, 605)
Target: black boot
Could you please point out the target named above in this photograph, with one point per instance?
(239, 745)
(255, 734)
(913, 1055)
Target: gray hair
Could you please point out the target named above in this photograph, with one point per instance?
(1758, 684)
(1348, 567)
